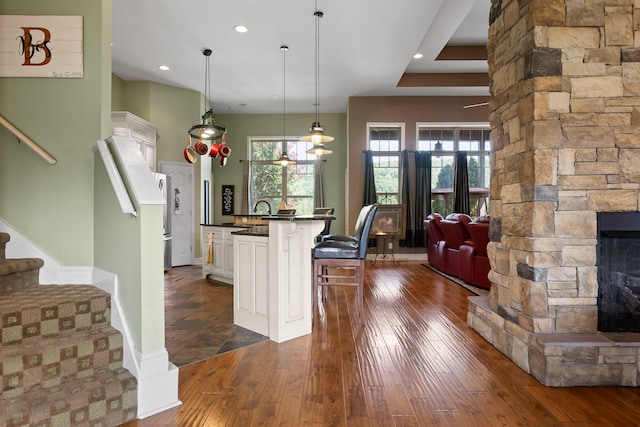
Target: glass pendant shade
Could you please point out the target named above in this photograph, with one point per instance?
(284, 160)
(319, 150)
(316, 135)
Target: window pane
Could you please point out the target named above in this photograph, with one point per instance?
(384, 139)
(300, 180)
(429, 137)
(266, 180)
(265, 150)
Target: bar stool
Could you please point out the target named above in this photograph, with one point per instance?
(343, 253)
(327, 222)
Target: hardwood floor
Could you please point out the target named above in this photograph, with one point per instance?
(409, 360)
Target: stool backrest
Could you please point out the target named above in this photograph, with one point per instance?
(327, 222)
(363, 236)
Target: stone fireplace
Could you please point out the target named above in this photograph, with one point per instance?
(565, 119)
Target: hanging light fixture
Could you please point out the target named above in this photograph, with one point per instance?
(319, 150)
(316, 132)
(209, 129)
(284, 159)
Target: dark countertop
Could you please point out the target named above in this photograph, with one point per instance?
(298, 217)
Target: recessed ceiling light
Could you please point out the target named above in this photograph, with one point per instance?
(417, 56)
(241, 28)
(164, 67)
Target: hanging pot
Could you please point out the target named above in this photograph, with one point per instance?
(190, 153)
(215, 149)
(201, 148)
(225, 150)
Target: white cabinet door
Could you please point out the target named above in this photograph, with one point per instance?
(251, 283)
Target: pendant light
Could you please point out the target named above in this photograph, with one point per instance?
(284, 159)
(209, 129)
(316, 132)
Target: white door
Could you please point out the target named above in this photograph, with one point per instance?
(181, 198)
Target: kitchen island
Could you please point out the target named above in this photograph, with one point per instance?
(272, 275)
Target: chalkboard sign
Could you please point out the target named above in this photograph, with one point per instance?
(227, 200)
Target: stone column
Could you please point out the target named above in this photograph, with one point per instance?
(564, 113)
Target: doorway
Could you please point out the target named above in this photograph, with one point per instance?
(182, 206)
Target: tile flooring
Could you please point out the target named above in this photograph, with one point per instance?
(199, 317)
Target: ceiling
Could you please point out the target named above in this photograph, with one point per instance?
(366, 49)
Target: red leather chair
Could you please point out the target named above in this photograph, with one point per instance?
(473, 254)
(435, 241)
(456, 232)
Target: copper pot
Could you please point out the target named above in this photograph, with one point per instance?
(201, 148)
(215, 149)
(190, 153)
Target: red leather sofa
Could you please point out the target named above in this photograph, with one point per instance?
(474, 262)
(457, 245)
(456, 231)
(435, 241)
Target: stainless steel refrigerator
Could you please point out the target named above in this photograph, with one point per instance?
(164, 184)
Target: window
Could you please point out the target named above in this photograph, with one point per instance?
(292, 185)
(444, 142)
(385, 140)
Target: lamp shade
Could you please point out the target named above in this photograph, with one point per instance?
(284, 160)
(319, 150)
(316, 134)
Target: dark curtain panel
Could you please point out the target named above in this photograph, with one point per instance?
(416, 196)
(423, 195)
(461, 184)
(370, 195)
(408, 193)
(319, 184)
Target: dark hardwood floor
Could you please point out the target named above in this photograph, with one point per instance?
(409, 360)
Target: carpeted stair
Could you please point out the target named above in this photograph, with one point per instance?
(60, 359)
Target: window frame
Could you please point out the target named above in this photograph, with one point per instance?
(483, 155)
(380, 153)
(285, 196)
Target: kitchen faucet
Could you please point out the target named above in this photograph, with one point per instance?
(255, 207)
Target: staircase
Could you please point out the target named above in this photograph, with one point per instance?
(60, 358)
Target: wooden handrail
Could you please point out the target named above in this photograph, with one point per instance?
(24, 138)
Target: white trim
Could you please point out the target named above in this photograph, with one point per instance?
(461, 125)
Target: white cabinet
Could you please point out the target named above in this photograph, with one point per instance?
(124, 123)
(251, 283)
(217, 252)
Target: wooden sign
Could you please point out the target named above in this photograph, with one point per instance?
(227, 200)
(41, 46)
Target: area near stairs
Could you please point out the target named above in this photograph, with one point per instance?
(60, 358)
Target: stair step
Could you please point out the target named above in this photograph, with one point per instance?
(48, 310)
(108, 398)
(18, 274)
(56, 360)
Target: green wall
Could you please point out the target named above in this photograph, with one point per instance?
(52, 205)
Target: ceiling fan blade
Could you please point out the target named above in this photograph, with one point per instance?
(480, 104)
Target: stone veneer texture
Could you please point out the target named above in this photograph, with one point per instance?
(565, 110)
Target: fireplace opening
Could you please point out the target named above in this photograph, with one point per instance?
(618, 261)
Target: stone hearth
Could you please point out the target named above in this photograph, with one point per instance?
(565, 116)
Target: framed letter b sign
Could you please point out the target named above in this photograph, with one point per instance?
(41, 46)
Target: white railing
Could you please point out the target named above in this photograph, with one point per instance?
(24, 138)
